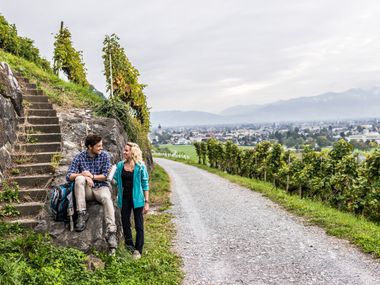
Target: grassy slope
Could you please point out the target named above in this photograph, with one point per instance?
(29, 258)
(359, 231)
(60, 92)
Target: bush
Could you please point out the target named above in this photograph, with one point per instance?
(119, 110)
(20, 46)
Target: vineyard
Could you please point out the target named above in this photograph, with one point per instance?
(336, 177)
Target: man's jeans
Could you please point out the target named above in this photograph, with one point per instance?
(84, 193)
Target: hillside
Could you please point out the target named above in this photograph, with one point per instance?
(59, 91)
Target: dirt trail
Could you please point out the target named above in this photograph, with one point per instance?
(227, 234)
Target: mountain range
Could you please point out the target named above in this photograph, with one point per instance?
(351, 104)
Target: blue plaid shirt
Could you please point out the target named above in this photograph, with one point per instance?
(99, 164)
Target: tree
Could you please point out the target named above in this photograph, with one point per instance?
(197, 146)
(125, 83)
(274, 162)
(68, 59)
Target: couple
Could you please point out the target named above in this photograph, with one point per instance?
(89, 170)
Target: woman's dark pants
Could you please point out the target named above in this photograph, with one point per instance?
(126, 211)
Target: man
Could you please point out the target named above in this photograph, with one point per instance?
(89, 171)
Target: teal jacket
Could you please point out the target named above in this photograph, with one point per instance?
(140, 184)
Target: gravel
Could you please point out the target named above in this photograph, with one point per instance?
(227, 234)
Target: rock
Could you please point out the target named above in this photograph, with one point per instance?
(10, 107)
(94, 263)
(92, 238)
(76, 124)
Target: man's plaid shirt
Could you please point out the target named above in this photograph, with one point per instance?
(99, 164)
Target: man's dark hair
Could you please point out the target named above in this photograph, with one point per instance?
(92, 140)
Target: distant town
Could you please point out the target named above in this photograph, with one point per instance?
(362, 134)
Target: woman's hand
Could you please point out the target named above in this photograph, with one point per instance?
(146, 208)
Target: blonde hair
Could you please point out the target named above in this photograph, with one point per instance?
(135, 151)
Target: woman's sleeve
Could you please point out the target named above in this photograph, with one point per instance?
(144, 179)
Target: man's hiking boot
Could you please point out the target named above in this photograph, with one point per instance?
(112, 240)
(80, 223)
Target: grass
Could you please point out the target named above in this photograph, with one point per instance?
(184, 149)
(358, 230)
(30, 258)
(60, 92)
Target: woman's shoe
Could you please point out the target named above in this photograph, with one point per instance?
(136, 255)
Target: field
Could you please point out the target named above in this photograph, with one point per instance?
(182, 149)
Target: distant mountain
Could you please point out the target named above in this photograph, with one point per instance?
(184, 118)
(240, 110)
(351, 104)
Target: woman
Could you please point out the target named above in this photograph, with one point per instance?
(132, 182)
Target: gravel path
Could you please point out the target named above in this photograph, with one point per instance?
(227, 234)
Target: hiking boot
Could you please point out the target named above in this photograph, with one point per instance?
(112, 240)
(80, 223)
(136, 255)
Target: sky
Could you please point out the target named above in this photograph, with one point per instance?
(213, 54)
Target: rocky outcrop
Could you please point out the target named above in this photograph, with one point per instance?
(76, 124)
(10, 107)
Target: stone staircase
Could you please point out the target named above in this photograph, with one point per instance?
(36, 153)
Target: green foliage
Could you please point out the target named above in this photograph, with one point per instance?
(8, 210)
(20, 46)
(56, 160)
(334, 177)
(68, 59)
(118, 109)
(9, 192)
(125, 84)
(62, 93)
(197, 146)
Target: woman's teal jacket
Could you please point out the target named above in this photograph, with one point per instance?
(140, 184)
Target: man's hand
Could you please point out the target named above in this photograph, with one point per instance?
(87, 173)
(90, 182)
(146, 208)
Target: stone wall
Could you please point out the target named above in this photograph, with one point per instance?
(10, 109)
(76, 124)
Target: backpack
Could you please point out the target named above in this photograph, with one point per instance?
(62, 202)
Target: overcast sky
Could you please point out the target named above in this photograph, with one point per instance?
(212, 54)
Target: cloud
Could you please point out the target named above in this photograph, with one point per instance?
(209, 55)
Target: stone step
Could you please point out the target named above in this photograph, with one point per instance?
(33, 181)
(42, 112)
(36, 98)
(35, 168)
(34, 129)
(39, 147)
(40, 138)
(27, 222)
(39, 120)
(28, 158)
(30, 86)
(30, 195)
(34, 92)
(34, 105)
(29, 208)
(21, 78)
